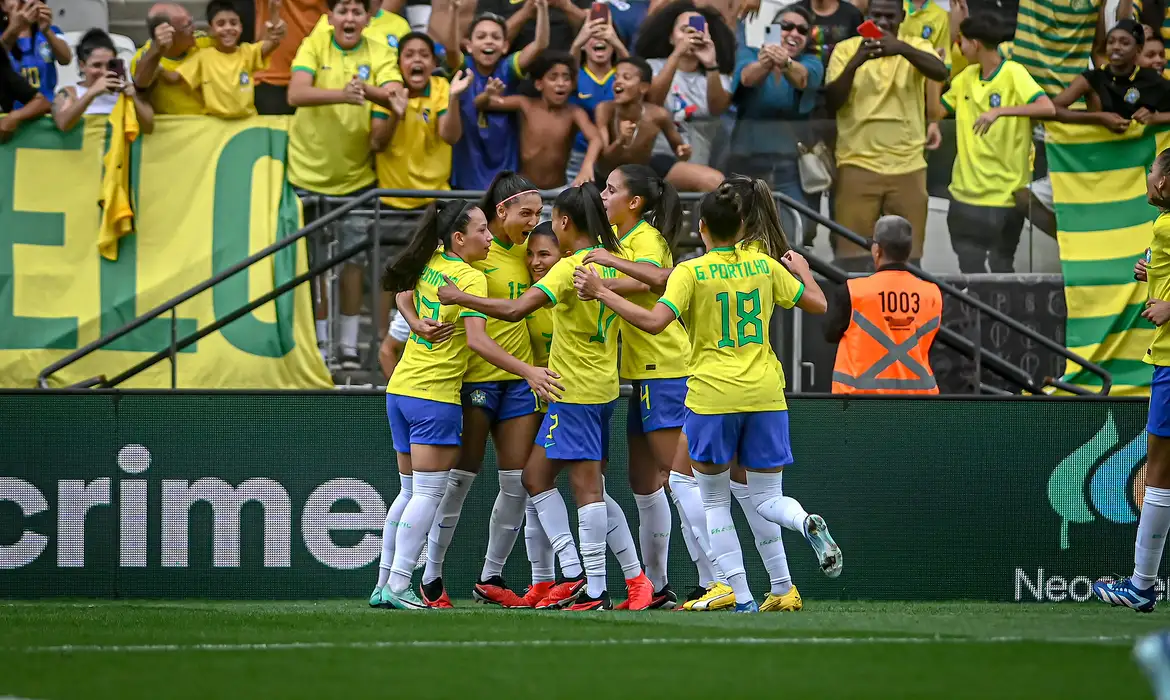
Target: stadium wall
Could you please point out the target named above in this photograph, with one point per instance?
(282, 495)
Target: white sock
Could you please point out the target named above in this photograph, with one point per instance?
(770, 501)
(349, 334)
(390, 529)
(414, 525)
(690, 509)
(654, 535)
(447, 517)
(769, 541)
(1151, 536)
(504, 526)
(322, 331)
(716, 492)
(698, 556)
(591, 527)
(619, 538)
(554, 518)
(541, 555)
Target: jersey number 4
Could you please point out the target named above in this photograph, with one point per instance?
(749, 328)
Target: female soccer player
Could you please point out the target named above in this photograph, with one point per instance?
(495, 402)
(422, 401)
(575, 430)
(1138, 591)
(735, 395)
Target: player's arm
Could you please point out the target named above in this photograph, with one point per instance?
(511, 310)
(589, 286)
(639, 276)
(426, 328)
(812, 299)
(541, 380)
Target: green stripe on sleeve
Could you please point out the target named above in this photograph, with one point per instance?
(551, 297)
(670, 306)
(799, 294)
(655, 263)
(472, 314)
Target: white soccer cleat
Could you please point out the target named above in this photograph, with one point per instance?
(828, 553)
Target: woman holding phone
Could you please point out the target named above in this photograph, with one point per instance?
(692, 53)
(102, 80)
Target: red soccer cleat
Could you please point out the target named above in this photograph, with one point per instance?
(496, 592)
(641, 593)
(562, 594)
(536, 593)
(436, 597)
(585, 603)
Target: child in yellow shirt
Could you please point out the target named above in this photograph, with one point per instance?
(223, 72)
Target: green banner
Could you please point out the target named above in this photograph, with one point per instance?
(238, 495)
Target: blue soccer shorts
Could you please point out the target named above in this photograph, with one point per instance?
(423, 422)
(759, 440)
(1158, 423)
(502, 400)
(656, 404)
(576, 432)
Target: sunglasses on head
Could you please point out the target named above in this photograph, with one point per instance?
(801, 29)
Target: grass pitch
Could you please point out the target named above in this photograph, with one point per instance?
(325, 649)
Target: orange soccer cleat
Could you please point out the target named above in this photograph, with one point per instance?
(496, 592)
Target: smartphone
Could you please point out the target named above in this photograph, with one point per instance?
(118, 67)
(869, 30)
(698, 23)
(772, 34)
(599, 10)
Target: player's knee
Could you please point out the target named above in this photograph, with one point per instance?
(764, 487)
(512, 483)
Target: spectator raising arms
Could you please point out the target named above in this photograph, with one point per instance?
(596, 45)
(99, 86)
(35, 43)
(692, 54)
(1119, 91)
(992, 100)
(878, 89)
(522, 19)
(13, 89)
(224, 74)
(629, 127)
(776, 90)
(548, 124)
(490, 142)
(155, 66)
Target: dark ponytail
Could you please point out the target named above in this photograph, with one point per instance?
(661, 207)
(505, 185)
(720, 210)
(761, 219)
(438, 222)
(585, 209)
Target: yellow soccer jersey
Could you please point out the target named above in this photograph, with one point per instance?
(584, 337)
(329, 145)
(506, 269)
(990, 167)
(171, 98)
(435, 372)
(417, 157)
(726, 299)
(1158, 277)
(540, 334)
(385, 28)
(224, 80)
(646, 356)
(931, 23)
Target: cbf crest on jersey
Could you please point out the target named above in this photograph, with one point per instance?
(927, 32)
(1132, 95)
(426, 115)
(45, 52)
(244, 77)
(392, 41)
(364, 72)
(995, 100)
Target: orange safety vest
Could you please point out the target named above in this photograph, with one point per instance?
(886, 348)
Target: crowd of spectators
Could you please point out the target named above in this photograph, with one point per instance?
(427, 96)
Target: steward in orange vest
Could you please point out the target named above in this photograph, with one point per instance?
(884, 324)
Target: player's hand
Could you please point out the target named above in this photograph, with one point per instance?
(748, 9)
(1139, 268)
(585, 175)
(354, 92)
(1114, 122)
(460, 81)
(683, 151)
(8, 125)
(984, 121)
(543, 383)
(164, 36)
(795, 263)
(494, 88)
(1157, 311)
(601, 256)
(449, 293)
(587, 283)
(933, 136)
(626, 131)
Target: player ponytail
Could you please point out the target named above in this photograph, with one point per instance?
(585, 209)
(720, 212)
(761, 219)
(661, 207)
(440, 220)
(506, 185)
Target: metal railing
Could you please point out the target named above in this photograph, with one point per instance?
(982, 358)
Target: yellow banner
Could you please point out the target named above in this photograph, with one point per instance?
(207, 193)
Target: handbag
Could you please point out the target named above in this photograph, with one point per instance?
(816, 168)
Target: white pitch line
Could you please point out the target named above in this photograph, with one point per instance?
(485, 644)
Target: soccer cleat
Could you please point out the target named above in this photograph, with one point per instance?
(496, 592)
(376, 598)
(719, 596)
(1152, 654)
(406, 600)
(562, 594)
(664, 599)
(584, 602)
(434, 595)
(1123, 593)
(789, 602)
(749, 607)
(535, 593)
(696, 593)
(828, 553)
(641, 593)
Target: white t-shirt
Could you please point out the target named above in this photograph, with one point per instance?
(102, 104)
(687, 101)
